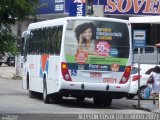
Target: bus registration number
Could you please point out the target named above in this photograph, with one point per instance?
(95, 74)
(109, 80)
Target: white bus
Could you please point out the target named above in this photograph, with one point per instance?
(78, 57)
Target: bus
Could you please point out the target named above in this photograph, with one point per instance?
(60, 60)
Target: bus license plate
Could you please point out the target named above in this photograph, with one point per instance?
(95, 74)
(109, 80)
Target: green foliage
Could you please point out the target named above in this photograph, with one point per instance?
(10, 12)
(7, 40)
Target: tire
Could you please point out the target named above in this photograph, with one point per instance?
(80, 99)
(8, 62)
(130, 96)
(0, 64)
(56, 98)
(108, 102)
(45, 96)
(102, 101)
(31, 94)
(142, 92)
(97, 101)
(27, 81)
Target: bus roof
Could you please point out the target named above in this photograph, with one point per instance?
(61, 21)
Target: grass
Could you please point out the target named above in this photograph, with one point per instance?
(15, 77)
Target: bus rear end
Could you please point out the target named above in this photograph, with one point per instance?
(96, 61)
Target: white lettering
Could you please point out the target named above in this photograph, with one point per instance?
(79, 1)
(79, 10)
(59, 1)
(59, 7)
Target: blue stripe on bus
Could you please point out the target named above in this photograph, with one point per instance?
(41, 72)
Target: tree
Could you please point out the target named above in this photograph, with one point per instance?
(7, 40)
(10, 12)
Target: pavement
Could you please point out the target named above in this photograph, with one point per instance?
(9, 72)
(148, 106)
(151, 108)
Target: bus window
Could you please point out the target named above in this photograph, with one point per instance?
(58, 40)
(53, 39)
(22, 45)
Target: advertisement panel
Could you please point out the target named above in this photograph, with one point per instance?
(96, 45)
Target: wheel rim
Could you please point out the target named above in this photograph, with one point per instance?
(142, 93)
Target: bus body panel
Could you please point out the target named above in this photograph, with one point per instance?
(36, 73)
(53, 74)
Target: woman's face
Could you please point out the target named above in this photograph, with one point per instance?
(87, 34)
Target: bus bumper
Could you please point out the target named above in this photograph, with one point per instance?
(93, 89)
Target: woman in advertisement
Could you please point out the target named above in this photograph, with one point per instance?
(86, 35)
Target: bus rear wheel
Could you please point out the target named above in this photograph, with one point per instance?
(56, 98)
(80, 99)
(102, 101)
(108, 101)
(31, 94)
(45, 95)
(99, 101)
